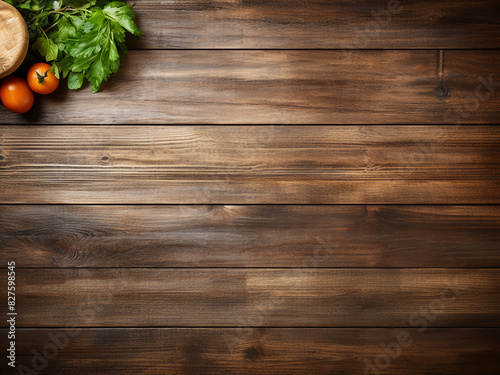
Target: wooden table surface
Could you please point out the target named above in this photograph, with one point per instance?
(266, 187)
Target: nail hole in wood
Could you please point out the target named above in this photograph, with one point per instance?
(105, 158)
(442, 92)
(2, 157)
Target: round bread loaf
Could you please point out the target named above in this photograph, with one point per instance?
(14, 39)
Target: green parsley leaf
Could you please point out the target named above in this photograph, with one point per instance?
(123, 14)
(75, 80)
(47, 48)
(81, 38)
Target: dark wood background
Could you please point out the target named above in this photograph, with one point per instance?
(194, 218)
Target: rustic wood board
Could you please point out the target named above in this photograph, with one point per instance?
(293, 351)
(250, 236)
(284, 87)
(266, 249)
(250, 165)
(317, 24)
(299, 297)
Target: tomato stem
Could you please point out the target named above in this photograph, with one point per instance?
(40, 77)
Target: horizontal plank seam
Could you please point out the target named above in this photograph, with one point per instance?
(256, 268)
(316, 49)
(237, 327)
(250, 204)
(202, 124)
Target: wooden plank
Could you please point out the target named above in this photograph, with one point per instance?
(317, 24)
(280, 87)
(261, 351)
(300, 297)
(250, 165)
(471, 89)
(250, 236)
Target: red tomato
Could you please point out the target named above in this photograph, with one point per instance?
(16, 95)
(41, 79)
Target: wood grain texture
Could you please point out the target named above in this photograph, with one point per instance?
(235, 286)
(300, 297)
(282, 87)
(251, 164)
(317, 24)
(471, 89)
(262, 351)
(250, 236)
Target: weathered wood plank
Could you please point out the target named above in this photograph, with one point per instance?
(471, 89)
(313, 351)
(303, 297)
(250, 236)
(251, 164)
(282, 87)
(317, 24)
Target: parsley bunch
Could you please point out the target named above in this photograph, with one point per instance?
(79, 38)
